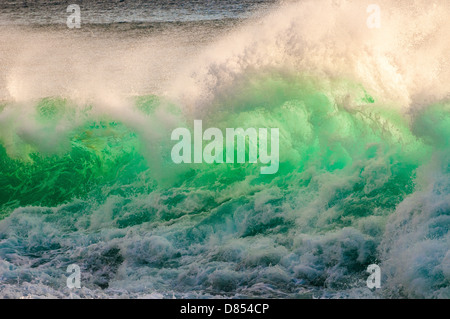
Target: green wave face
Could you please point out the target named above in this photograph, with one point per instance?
(80, 187)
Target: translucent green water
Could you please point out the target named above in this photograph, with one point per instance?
(81, 187)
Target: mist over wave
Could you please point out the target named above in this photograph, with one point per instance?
(364, 118)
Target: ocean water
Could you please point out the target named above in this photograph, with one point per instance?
(44, 12)
(86, 175)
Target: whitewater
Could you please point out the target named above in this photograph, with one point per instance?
(363, 114)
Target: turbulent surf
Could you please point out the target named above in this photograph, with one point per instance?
(363, 114)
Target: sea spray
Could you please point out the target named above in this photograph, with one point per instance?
(87, 177)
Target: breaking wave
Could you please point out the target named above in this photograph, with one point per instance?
(364, 119)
